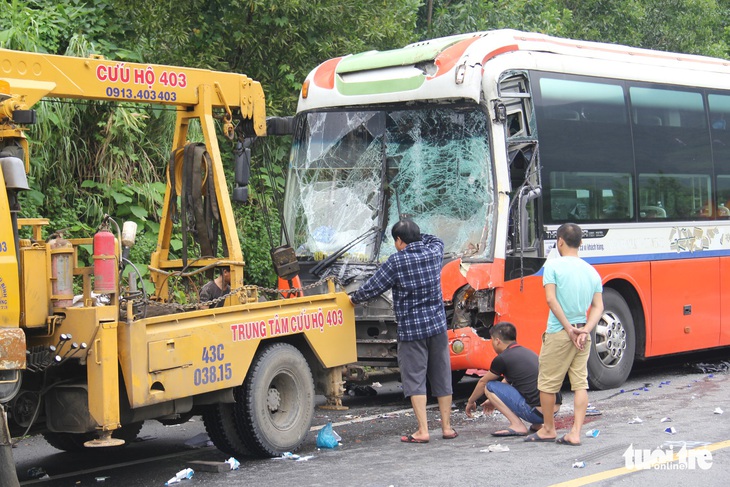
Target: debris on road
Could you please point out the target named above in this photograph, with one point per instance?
(671, 430)
(593, 433)
(579, 465)
(718, 411)
(704, 367)
(636, 420)
(592, 410)
(495, 448)
(186, 473)
(666, 420)
(37, 473)
(201, 440)
(327, 437)
(293, 456)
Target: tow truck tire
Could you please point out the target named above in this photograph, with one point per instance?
(220, 423)
(74, 442)
(275, 405)
(613, 344)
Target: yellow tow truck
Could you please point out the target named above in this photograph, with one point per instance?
(86, 355)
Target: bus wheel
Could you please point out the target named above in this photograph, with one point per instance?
(274, 408)
(219, 420)
(614, 344)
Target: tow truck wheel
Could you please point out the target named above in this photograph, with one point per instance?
(614, 344)
(220, 424)
(274, 408)
(74, 442)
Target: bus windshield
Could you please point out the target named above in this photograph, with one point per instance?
(355, 171)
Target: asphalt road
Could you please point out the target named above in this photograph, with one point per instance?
(371, 453)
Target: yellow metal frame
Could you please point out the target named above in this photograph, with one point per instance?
(161, 358)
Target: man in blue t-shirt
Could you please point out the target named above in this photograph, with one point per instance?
(510, 384)
(572, 286)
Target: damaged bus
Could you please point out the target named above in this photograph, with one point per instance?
(491, 140)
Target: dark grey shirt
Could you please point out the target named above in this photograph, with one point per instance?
(211, 291)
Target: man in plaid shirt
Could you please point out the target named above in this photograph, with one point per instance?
(414, 275)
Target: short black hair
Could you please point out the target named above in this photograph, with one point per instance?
(224, 268)
(571, 234)
(505, 331)
(406, 230)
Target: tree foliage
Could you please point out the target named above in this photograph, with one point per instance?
(95, 158)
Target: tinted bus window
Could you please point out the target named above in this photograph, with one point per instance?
(672, 151)
(585, 149)
(720, 131)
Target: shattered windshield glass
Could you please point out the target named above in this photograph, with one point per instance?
(351, 172)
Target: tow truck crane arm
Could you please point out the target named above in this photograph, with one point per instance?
(195, 92)
(34, 76)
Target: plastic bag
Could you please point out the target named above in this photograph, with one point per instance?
(327, 438)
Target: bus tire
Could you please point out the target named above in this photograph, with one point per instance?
(220, 424)
(274, 408)
(613, 344)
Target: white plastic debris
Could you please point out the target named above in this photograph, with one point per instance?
(636, 420)
(592, 410)
(593, 433)
(495, 448)
(666, 420)
(201, 440)
(718, 411)
(579, 465)
(186, 473)
(671, 430)
(293, 456)
(233, 463)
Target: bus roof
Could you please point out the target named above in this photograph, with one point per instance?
(444, 68)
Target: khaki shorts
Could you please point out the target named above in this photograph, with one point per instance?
(559, 356)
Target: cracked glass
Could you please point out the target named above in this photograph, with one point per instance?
(353, 173)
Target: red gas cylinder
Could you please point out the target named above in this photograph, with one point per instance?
(105, 262)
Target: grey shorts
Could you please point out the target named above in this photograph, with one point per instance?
(425, 358)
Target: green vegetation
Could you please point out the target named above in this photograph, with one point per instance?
(93, 158)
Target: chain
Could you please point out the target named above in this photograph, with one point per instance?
(260, 289)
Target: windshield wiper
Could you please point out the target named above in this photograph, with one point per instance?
(317, 270)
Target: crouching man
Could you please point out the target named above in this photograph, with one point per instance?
(510, 384)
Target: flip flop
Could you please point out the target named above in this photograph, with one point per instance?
(508, 432)
(450, 437)
(411, 439)
(533, 438)
(563, 441)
